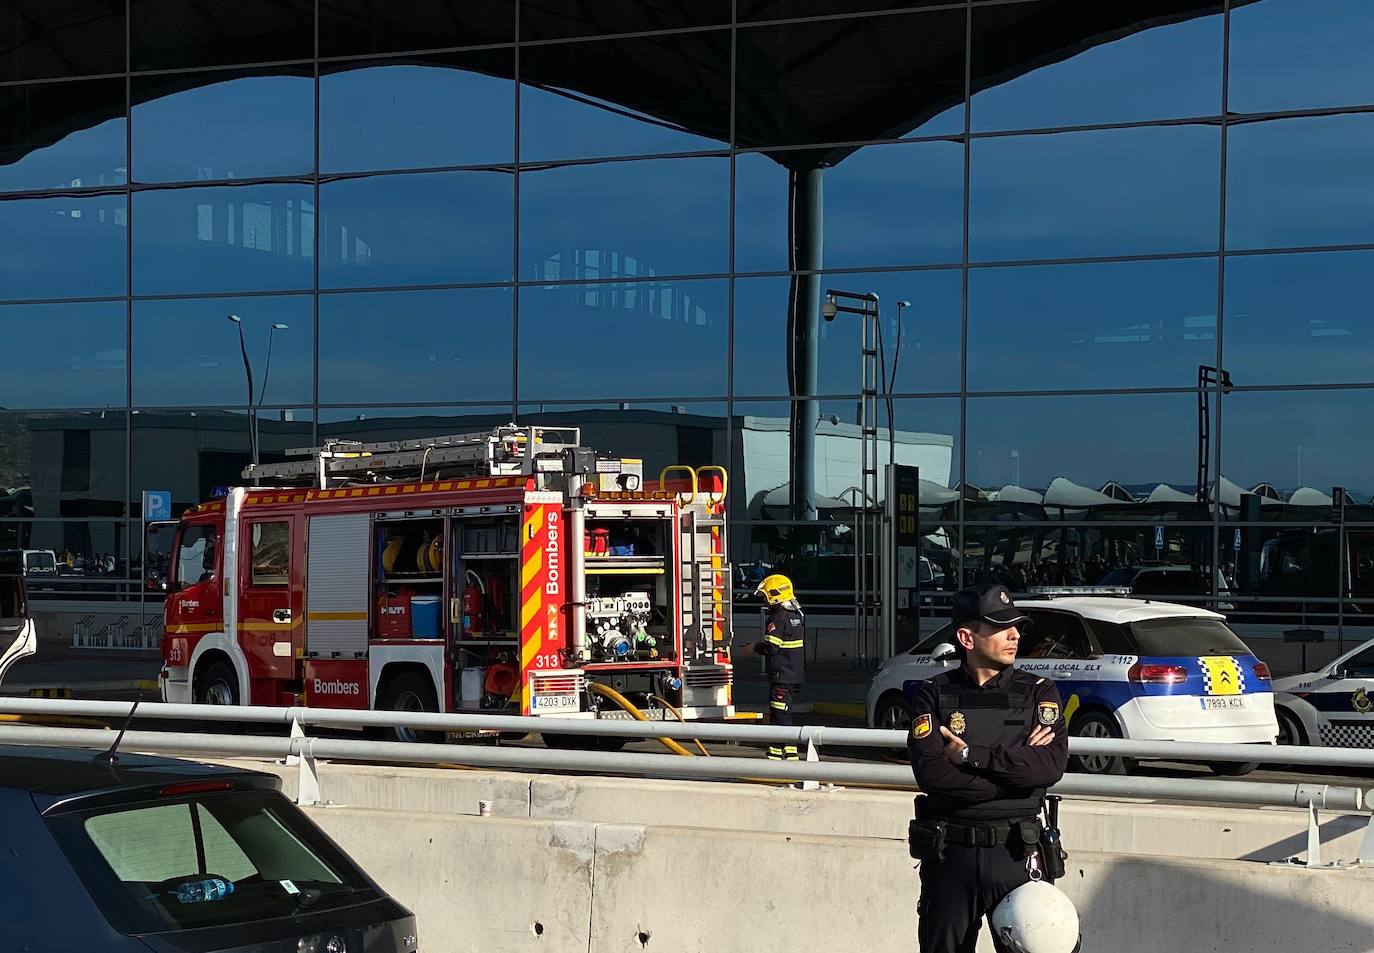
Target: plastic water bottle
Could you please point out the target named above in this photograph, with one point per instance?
(199, 891)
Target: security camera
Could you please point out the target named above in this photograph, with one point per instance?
(829, 308)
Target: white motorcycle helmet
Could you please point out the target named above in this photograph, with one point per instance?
(1036, 917)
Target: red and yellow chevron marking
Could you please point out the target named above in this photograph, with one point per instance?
(385, 490)
(717, 603)
(542, 588)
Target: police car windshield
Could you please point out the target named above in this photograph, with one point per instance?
(135, 859)
(1168, 637)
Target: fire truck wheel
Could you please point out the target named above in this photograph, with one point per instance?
(218, 684)
(411, 692)
(582, 742)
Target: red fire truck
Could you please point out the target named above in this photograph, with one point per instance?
(512, 571)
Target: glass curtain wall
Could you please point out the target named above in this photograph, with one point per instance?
(1120, 263)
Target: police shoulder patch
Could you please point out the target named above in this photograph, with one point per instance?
(1047, 713)
(921, 727)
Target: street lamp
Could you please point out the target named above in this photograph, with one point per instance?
(248, 373)
(262, 392)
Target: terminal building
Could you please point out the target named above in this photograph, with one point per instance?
(1116, 256)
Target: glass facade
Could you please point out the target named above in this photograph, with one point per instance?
(434, 216)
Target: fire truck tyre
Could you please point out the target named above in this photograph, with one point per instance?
(1096, 724)
(582, 742)
(411, 692)
(218, 684)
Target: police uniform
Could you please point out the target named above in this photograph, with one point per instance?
(784, 636)
(977, 825)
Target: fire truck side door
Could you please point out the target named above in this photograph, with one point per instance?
(270, 616)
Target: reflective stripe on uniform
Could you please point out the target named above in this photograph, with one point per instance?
(780, 705)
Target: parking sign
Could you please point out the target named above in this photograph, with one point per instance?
(1159, 537)
(157, 505)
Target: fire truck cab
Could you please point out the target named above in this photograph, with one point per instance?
(510, 572)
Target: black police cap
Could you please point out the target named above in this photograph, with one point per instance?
(987, 603)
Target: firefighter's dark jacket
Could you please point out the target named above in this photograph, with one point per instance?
(1004, 777)
(784, 633)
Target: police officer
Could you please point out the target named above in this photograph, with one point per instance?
(784, 634)
(986, 741)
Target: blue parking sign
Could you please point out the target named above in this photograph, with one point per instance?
(1159, 537)
(157, 504)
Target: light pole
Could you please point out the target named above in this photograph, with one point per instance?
(262, 392)
(248, 373)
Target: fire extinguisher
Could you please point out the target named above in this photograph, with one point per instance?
(474, 603)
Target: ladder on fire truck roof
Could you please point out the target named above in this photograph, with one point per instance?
(508, 450)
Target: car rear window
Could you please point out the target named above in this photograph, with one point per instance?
(1186, 636)
(133, 860)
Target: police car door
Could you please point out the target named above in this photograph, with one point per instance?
(1057, 647)
(1344, 699)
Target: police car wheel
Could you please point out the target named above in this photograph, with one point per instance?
(1097, 725)
(1290, 729)
(893, 714)
(1232, 769)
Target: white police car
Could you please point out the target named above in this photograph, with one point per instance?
(1125, 668)
(1333, 706)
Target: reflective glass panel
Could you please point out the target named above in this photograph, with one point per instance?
(429, 228)
(1279, 564)
(690, 433)
(396, 345)
(354, 27)
(93, 560)
(644, 321)
(442, 110)
(64, 464)
(559, 19)
(240, 125)
(1293, 182)
(1289, 448)
(173, 34)
(1028, 457)
(625, 219)
(924, 357)
(1105, 192)
(1293, 319)
(882, 205)
(68, 355)
(55, 135)
(1026, 556)
(64, 247)
(787, 9)
(849, 80)
(187, 353)
(376, 424)
(43, 38)
(194, 452)
(761, 469)
(232, 238)
(1290, 54)
(1080, 62)
(576, 101)
(1105, 325)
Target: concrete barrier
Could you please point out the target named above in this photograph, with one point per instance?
(1136, 827)
(508, 884)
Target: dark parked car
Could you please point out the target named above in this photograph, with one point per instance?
(163, 855)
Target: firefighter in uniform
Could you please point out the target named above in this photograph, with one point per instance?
(986, 741)
(784, 633)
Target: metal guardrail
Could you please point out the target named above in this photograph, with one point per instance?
(810, 772)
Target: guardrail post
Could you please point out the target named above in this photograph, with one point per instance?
(296, 732)
(307, 778)
(813, 735)
(1366, 854)
(1314, 836)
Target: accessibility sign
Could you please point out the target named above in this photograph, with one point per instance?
(1159, 537)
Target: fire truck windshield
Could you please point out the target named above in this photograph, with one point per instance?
(196, 555)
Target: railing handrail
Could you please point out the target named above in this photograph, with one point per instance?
(705, 731)
(1327, 797)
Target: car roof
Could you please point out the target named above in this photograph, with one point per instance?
(53, 774)
(1120, 610)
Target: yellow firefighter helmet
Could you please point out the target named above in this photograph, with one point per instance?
(775, 589)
